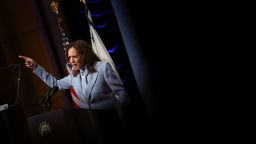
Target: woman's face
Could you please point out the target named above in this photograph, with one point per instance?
(75, 59)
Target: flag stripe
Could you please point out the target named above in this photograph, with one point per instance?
(75, 97)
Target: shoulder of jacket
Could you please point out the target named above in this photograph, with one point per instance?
(101, 63)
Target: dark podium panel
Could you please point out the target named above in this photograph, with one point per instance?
(76, 126)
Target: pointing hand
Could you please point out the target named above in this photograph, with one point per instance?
(30, 63)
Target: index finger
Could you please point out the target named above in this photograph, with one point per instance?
(23, 57)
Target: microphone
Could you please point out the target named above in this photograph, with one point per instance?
(47, 99)
(52, 91)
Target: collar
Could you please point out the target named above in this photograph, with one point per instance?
(83, 70)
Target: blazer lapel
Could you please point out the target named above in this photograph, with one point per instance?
(91, 81)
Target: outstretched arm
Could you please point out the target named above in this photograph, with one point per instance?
(48, 78)
(29, 62)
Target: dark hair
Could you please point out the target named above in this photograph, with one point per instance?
(87, 53)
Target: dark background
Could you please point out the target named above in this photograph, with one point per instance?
(170, 35)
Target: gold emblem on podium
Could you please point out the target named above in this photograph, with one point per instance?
(45, 128)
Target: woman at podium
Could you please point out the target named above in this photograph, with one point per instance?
(95, 82)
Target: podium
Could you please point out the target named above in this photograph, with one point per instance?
(75, 126)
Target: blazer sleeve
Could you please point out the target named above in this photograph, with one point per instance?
(115, 84)
(51, 81)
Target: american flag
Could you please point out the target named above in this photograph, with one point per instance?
(65, 42)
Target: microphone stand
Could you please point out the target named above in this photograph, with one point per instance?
(46, 101)
(10, 135)
(4, 107)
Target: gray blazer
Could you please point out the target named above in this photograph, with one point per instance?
(102, 91)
